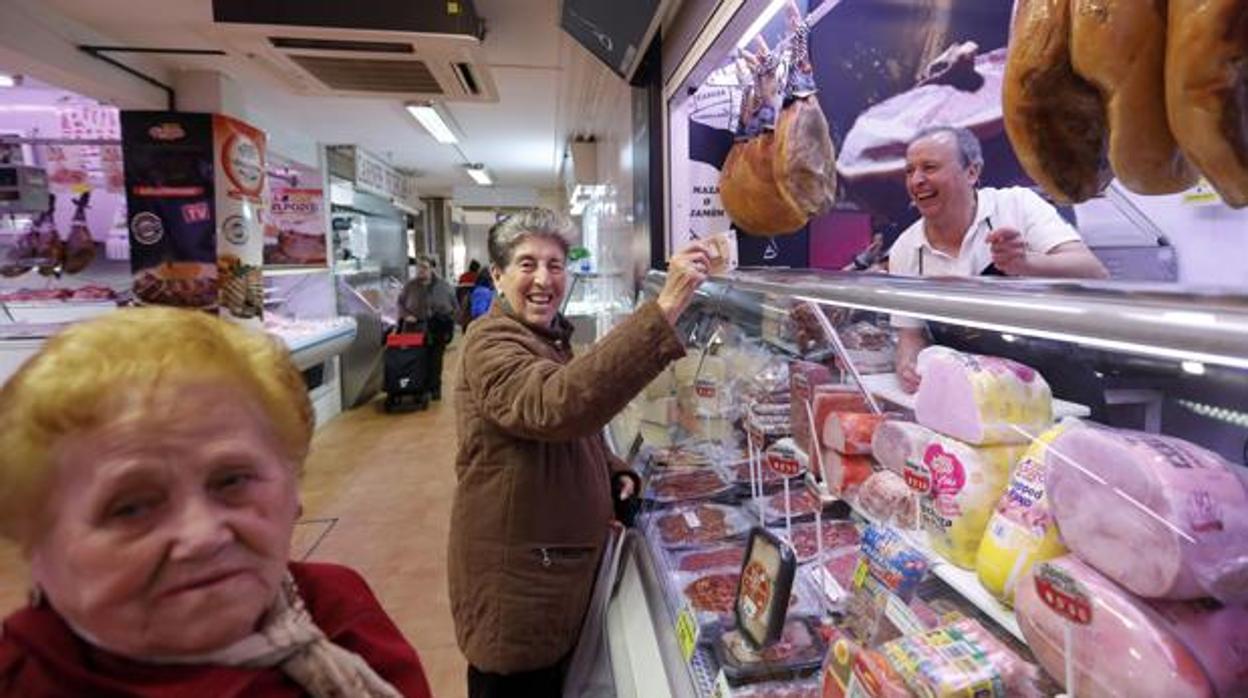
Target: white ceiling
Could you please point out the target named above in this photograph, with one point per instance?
(549, 88)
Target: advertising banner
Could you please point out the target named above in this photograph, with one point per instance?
(240, 178)
(170, 199)
(193, 190)
(297, 223)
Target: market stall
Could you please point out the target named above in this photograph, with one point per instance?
(934, 525)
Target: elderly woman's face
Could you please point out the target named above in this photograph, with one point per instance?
(535, 281)
(168, 527)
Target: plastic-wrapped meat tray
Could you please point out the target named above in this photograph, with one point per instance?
(698, 525)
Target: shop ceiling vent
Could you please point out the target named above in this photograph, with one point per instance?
(401, 49)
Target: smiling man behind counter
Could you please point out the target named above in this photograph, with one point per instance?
(966, 231)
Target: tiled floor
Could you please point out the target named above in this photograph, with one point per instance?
(377, 497)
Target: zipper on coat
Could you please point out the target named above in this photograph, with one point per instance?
(548, 555)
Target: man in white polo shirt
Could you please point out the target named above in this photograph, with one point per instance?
(966, 231)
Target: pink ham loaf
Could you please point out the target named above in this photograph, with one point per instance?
(981, 400)
(830, 398)
(804, 377)
(1131, 647)
(1158, 515)
(850, 432)
(896, 442)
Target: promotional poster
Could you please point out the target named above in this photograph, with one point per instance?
(193, 188)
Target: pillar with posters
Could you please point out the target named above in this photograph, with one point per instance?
(194, 185)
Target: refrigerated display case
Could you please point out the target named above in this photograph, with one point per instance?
(300, 307)
(1135, 558)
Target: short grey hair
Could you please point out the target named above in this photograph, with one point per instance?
(969, 150)
(507, 234)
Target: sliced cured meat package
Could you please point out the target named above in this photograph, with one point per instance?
(960, 485)
(799, 650)
(699, 525)
(1127, 646)
(896, 442)
(850, 432)
(837, 535)
(1021, 531)
(676, 486)
(727, 556)
(802, 504)
(1161, 516)
(981, 399)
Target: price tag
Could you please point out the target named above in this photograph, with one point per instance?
(686, 632)
(721, 689)
(692, 520)
(1064, 594)
(860, 573)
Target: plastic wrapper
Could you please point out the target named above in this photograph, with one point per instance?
(1022, 530)
(960, 486)
(981, 399)
(961, 659)
(870, 347)
(843, 474)
(802, 505)
(681, 485)
(798, 688)
(1126, 646)
(713, 594)
(728, 556)
(798, 651)
(837, 535)
(850, 432)
(895, 442)
(804, 378)
(888, 574)
(739, 474)
(698, 525)
(886, 499)
(691, 455)
(1159, 515)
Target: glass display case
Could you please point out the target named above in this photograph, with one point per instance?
(595, 302)
(1067, 483)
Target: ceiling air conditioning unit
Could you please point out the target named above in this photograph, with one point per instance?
(410, 50)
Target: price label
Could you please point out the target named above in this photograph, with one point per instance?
(784, 465)
(1064, 594)
(860, 573)
(721, 689)
(686, 632)
(692, 520)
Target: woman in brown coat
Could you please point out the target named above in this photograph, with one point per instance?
(534, 500)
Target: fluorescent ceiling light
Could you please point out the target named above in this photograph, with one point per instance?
(429, 117)
(480, 175)
(760, 23)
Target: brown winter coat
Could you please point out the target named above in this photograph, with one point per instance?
(533, 502)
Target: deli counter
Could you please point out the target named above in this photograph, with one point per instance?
(1060, 508)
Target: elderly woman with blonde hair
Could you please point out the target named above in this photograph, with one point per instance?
(149, 465)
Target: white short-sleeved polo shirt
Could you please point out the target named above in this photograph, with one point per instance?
(1014, 207)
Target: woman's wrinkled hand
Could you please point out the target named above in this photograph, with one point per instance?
(686, 271)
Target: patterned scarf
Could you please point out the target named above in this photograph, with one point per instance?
(288, 638)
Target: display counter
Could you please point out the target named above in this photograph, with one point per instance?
(1133, 537)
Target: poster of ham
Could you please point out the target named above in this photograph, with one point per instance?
(295, 227)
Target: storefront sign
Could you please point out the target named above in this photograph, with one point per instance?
(375, 176)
